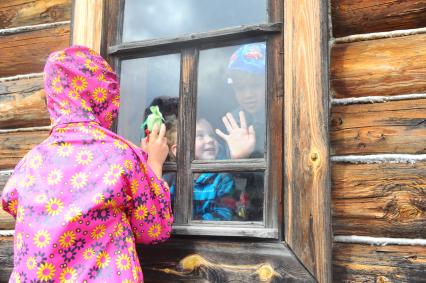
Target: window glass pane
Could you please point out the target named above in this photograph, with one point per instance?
(228, 196)
(225, 196)
(231, 103)
(149, 19)
(149, 82)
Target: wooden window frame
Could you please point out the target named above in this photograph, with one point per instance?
(189, 46)
(306, 205)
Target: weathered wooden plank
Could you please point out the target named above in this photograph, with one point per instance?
(248, 165)
(6, 258)
(274, 216)
(111, 26)
(188, 260)
(87, 23)
(390, 127)
(366, 16)
(215, 36)
(390, 66)
(365, 263)
(187, 114)
(6, 220)
(22, 103)
(15, 13)
(24, 53)
(14, 145)
(379, 200)
(307, 188)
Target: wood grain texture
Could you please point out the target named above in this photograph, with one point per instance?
(192, 260)
(181, 260)
(25, 53)
(380, 264)
(6, 258)
(111, 25)
(390, 66)
(87, 23)
(13, 146)
(186, 134)
(274, 216)
(307, 188)
(390, 127)
(202, 38)
(15, 13)
(366, 16)
(379, 200)
(6, 220)
(22, 104)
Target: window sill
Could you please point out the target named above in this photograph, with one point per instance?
(226, 230)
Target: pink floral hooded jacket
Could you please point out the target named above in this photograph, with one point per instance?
(84, 196)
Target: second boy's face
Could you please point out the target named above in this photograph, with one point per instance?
(249, 91)
(206, 146)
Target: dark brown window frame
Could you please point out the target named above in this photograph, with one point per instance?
(189, 46)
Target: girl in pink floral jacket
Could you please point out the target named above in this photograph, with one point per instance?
(84, 196)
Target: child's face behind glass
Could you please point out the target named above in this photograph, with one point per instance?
(206, 145)
(249, 91)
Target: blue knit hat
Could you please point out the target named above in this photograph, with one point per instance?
(249, 58)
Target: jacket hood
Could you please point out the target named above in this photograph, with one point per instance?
(80, 86)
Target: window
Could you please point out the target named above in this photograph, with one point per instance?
(214, 69)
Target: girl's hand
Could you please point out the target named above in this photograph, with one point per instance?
(156, 149)
(241, 139)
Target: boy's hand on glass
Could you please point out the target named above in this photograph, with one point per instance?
(241, 139)
(156, 149)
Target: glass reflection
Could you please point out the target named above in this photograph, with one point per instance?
(147, 82)
(231, 100)
(171, 17)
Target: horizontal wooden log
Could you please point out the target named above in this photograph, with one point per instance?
(22, 103)
(6, 220)
(15, 13)
(365, 263)
(13, 146)
(27, 52)
(191, 260)
(379, 200)
(391, 66)
(366, 16)
(390, 127)
(6, 258)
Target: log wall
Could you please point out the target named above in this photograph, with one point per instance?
(365, 16)
(29, 31)
(378, 93)
(17, 13)
(30, 49)
(22, 103)
(391, 263)
(383, 199)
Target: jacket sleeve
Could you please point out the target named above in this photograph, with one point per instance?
(224, 184)
(149, 208)
(10, 197)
